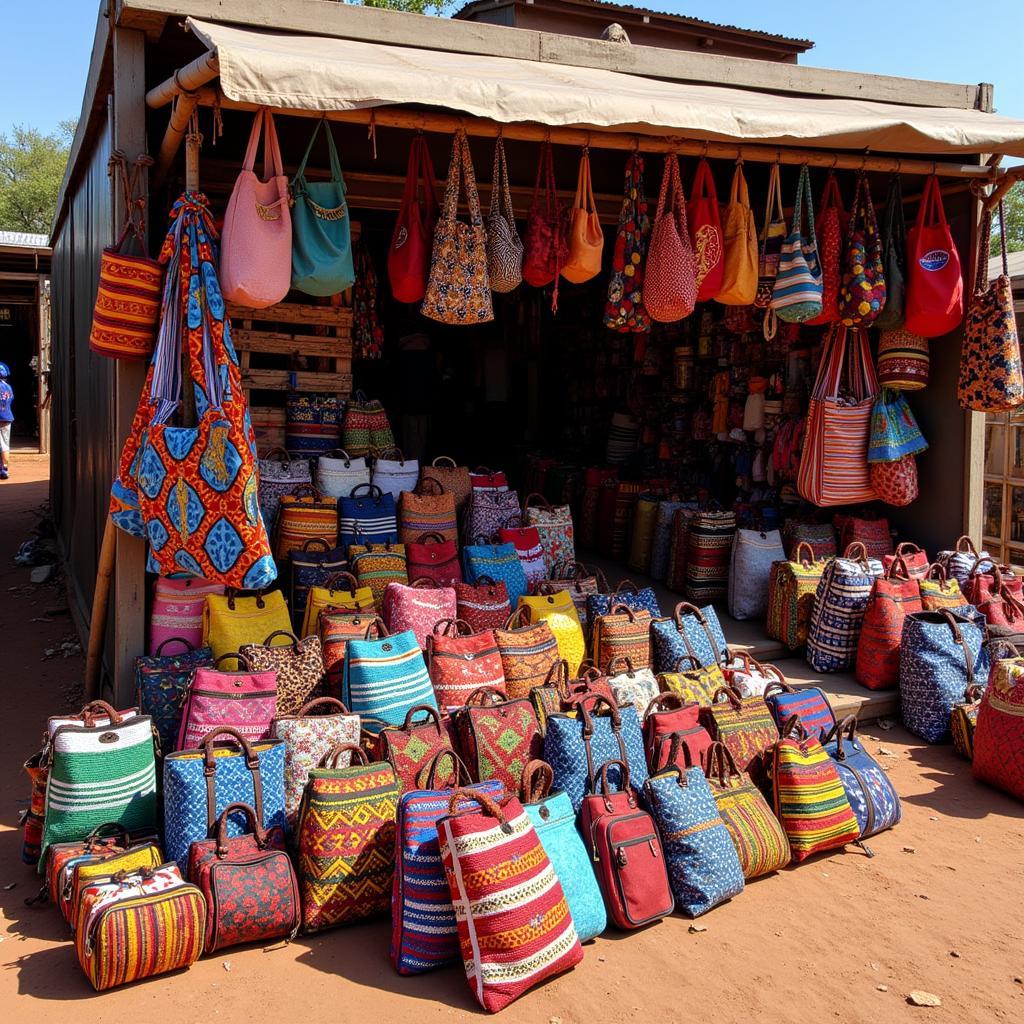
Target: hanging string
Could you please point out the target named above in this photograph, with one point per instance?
(218, 119)
(371, 132)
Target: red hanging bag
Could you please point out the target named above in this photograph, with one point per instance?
(705, 221)
(832, 222)
(413, 238)
(935, 284)
(671, 289)
(544, 245)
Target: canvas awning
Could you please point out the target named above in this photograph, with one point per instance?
(318, 73)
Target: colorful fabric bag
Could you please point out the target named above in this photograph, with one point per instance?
(819, 537)
(937, 591)
(177, 613)
(748, 677)
(298, 665)
(673, 733)
(894, 431)
(228, 871)
(337, 473)
(161, 686)
(797, 292)
(862, 291)
(433, 558)
(744, 725)
(739, 258)
(310, 566)
(312, 422)
(754, 553)
(277, 477)
(791, 588)
(670, 288)
(461, 661)
(528, 653)
(377, 566)
(871, 531)
(484, 603)
(498, 737)
(832, 222)
(903, 360)
(504, 247)
(302, 517)
(894, 596)
(691, 632)
(709, 541)
(579, 582)
(420, 512)
(526, 540)
(585, 239)
(331, 595)
(559, 612)
(367, 518)
(705, 225)
(963, 721)
(624, 633)
(626, 592)
(661, 541)
(696, 683)
(624, 309)
(808, 704)
(365, 428)
(544, 243)
(337, 627)
(914, 558)
(999, 736)
(935, 285)
(488, 512)
(773, 234)
(631, 685)
(417, 607)
(413, 746)
(453, 478)
(645, 512)
(412, 239)
(497, 562)
(959, 562)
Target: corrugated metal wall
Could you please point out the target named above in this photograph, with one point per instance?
(82, 462)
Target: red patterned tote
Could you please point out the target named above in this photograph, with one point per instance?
(431, 557)
(622, 633)
(413, 746)
(498, 737)
(914, 558)
(514, 924)
(191, 491)
(483, 604)
(461, 661)
(894, 596)
(528, 653)
(999, 733)
(337, 627)
(624, 310)
(670, 291)
(705, 223)
(831, 223)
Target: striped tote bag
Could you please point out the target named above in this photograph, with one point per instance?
(709, 541)
(367, 518)
(796, 295)
(421, 512)
(791, 588)
(514, 925)
(834, 462)
(384, 678)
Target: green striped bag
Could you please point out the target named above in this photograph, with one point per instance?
(99, 774)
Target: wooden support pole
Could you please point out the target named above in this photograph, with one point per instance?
(202, 70)
(100, 604)
(171, 143)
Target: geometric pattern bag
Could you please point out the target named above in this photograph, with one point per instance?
(514, 924)
(420, 512)
(412, 746)
(791, 589)
(527, 654)
(161, 686)
(461, 661)
(709, 543)
(999, 736)
(862, 290)
(299, 665)
(309, 567)
(304, 515)
(624, 309)
(623, 633)
(377, 566)
(745, 726)
(504, 248)
(894, 596)
(696, 684)
(670, 291)
(809, 705)
(797, 292)
(346, 839)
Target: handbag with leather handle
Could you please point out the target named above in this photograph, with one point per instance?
(504, 247)
(337, 627)
(528, 650)
(298, 664)
(670, 290)
(310, 566)
(672, 732)
(461, 662)
(586, 239)
(377, 566)
(161, 686)
(452, 477)
(413, 745)
(894, 596)
(367, 518)
(342, 592)
(337, 473)
(418, 607)
(409, 251)
(430, 556)
(744, 725)
(304, 515)
(623, 632)
(483, 603)
(420, 511)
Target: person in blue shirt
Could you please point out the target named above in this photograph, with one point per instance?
(6, 419)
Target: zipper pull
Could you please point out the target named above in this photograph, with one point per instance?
(620, 858)
(864, 846)
(653, 846)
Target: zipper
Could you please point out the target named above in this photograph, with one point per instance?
(228, 695)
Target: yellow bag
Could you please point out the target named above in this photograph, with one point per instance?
(355, 599)
(230, 621)
(739, 274)
(696, 685)
(135, 858)
(645, 512)
(559, 612)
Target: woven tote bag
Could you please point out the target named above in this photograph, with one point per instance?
(498, 737)
(792, 585)
(935, 286)
(579, 582)
(941, 655)
(744, 725)
(709, 541)
(452, 477)
(303, 517)
(461, 661)
(914, 558)
(809, 798)
(819, 537)
(551, 815)
(230, 621)
(161, 686)
(312, 422)
(692, 681)
(691, 632)
(497, 562)
(862, 291)
(963, 721)
(670, 287)
(739, 258)
(422, 512)
(365, 428)
(514, 925)
(624, 309)
(999, 736)
(554, 526)
(417, 607)
(353, 598)
(559, 612)
(337, 627)
(396, 475)
(528, 652)
(298, 664)
(346, 839)
(414, 745)
(337, 473)
(526, 541)
(585, 239)
(367, 518)
(754, 553)
(424, 934)
(309, 734)
(627, 593)
(937, 591)
(176, 614)
(484, 604)
(489, 511)
(838, 613)
(797, 292)
(894, 596)
(870, 530)
(279, 475)
(433, 558)
(759, 839)
(903, 360)
(504, 247)
(623, 633)
(809, 704)
(703, 866)
(961, 560)
(310, 566)
(377, 566)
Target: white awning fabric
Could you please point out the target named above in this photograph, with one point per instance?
(318, 73)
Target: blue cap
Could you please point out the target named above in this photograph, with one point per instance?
(5, 370)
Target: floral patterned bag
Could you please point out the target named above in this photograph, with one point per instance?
(624, 311)
(459, 288)
(862, 290)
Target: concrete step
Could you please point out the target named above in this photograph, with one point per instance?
(845, 694)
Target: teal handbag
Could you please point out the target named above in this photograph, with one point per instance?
(321, 228)
(552, 816)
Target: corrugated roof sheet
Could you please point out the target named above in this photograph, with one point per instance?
(25, 238)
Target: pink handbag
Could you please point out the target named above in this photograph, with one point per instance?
(256, 243)
(526, 541)
(244, 701)
(178, 613)
(419, 607)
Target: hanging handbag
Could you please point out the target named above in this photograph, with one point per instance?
(433, 558)
(797, 292)
(421, 512)
(304, 516)
(177, 612)
(500, 877)
(558, 611)
(139, 925)
(337, 473)
(230, 621)
(367, 518)
(991, 379)
(395, 476)
(862, 290)
(988, 591)
(321, 227)
(229, 870)
(490, 511)
(999, 735)
(914, 559)
(365, 428)
(754, 553)
(192, 491)
(417, 607)
(256, 242)
(555, 527)
(331, 596)
(872, 796)
(626, 851)
(298, 665)
(497, 562)
(941, 654)
(903, 360)
(377, 566)
(744, 725)
(308, 568)
(527, 652)
(832, 223)
(383, 678)
(773, 234)
(161, 686)
(693, 682)
(411, 241)
(484, 603)
(670, 288)
(413, 746)
(526, 541)
(935, 285)
(624, 309)
(833, 464)
(894, 431)
(894, 596)
(894, 259)
(578, 742)
(740, 255)
(809, 798)
(938, 591)
(631, 685)
(585, 238)
(199, 784)
(709, 539)
(758, 838)
(623, 632)
(424, 934)
(453, 478)
(552, 816)
(809, 704)
(307, 737)
(245, 701)
(367, 330)
(461, 662)
(703, 866)
(691, 631)
(895, 483)
(544, 250)
(705, 224)
(311, 426)
(792, 585)
(504, 248)
(673, 733)
(459, 287)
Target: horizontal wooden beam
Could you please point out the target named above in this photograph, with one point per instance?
(292, 344)
(300, 380)
(294, 313)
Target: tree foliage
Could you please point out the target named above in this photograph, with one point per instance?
(1013, 209)
(411, 6)
(31, 170)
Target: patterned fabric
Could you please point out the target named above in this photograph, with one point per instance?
(639, 599)
(346, 844)
(703, 866)
(489, 512)
(377, 566)
(100, 774)
(878, 653)
(624, 310)
(559, 612)
(527, 656)
(941, 655)
(417, 609)
(453, 478)
(903, 360)
(498, 741)
(809, 704)
(278, 477)
(161, 686)
(526, 540)
(873, 533)
(746, 728)
(999, 737)
(691, 633)
(384, 678)
(367, 330)
(188, 816)
(308, 568)
(192, 491)
(127, 309)
(245, 701)
(427, 513)
(791, 589)
(367, 519)
(708, 550)
(414, 745)
(229, 622)
(624, 634)
(435, 560)
(839, 604)
(139, 926)
(424, 934)
(461, 664)
(365, 429)
(760, 840)
(307, 738)
(871, 794)
(963, 722)
(499, 562)
(96, 859)
(484, 605)
(299, 667)
(810, 800)
(331, 597)
(820, 537)
(862, 287)
(696, 685)
(337, 627)
(555, 528)
(961, 561)
(177, 614)
(32, 823)
(513, 919)
(636, 686)
(312, 424)
(302, 518)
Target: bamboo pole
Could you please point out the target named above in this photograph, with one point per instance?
(1008, 180)
(202, 70)
(184, 104)
(100, 602)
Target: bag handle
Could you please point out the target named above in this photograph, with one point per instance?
(460, 626)
(239, 657)
(346, 577)
(856, 551)
(541, 501)
(330, 759)
(332, 152)
(845, 728)
(487, 804)
(618, 608)
(558, 677)
(293, 640)
(501, 196)
(731, 694)
(408, 724)
(668, 701)
(773, 199)
(336, 706)
(585, 712)
(965, 546)
(461, 161)
(444, 458)
(780, 686)
(624, 659)
(995, 642)
(487, 581)
(626, 587)
(908, 547)
(339, 453)
(800, 548)
(625, 785)
(491, 694)
(739, 193)
(793, 727)
(373, 492)
(174, 640)
(940, 569)
(692, 658)
(88, 714)
(520, 618)
(430, 480)
(830, 197)
(427, 178)
(253, 823)
(252, 762)
(719, 762)
(538, 778)
(898, 569)
(315, 540)
(973, 693)
(427, 778)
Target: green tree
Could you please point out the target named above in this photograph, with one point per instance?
(411, 6)
(31, 170)
(1013, 208)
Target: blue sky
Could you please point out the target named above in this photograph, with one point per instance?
(48, 42)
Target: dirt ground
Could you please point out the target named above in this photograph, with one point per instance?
(939, 908)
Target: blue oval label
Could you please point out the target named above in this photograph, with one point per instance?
(934, 259)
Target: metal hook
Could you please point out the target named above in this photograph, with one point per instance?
(835, 161)
(935, 168)
(704, 151)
